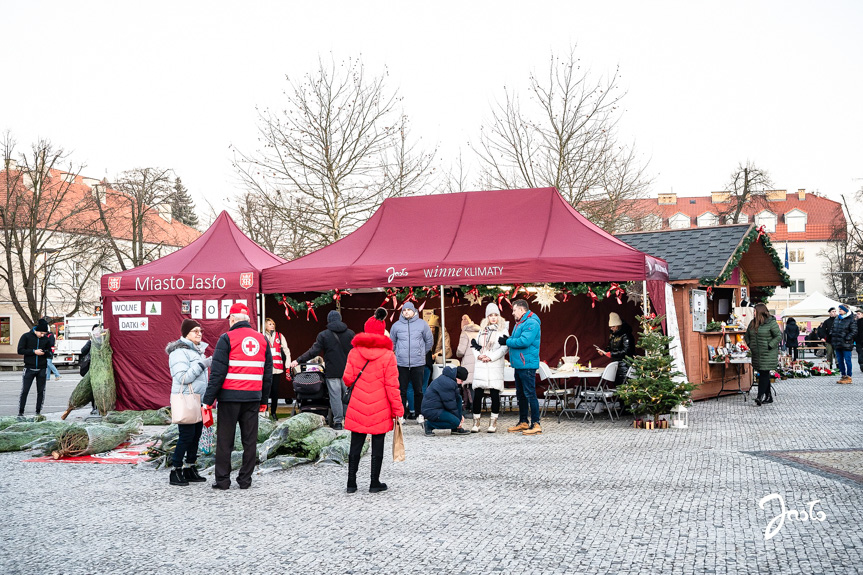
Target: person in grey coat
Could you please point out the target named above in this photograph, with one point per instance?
(412, 340)
(189, 367)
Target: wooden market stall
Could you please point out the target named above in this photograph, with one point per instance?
(715, 274)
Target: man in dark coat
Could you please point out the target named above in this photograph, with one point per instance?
(843, 334)
(334, 343)
(36, 349)
(442, 402)
(824, 332)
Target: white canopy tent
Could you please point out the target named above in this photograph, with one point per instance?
(813, 307)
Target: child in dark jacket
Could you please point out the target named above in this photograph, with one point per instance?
(442, 402)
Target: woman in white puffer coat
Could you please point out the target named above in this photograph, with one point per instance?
(489, 365)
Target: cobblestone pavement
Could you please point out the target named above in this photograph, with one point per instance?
(581, 498)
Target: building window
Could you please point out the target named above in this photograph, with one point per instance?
(651, 222)
(625, 224)
(76, 282)
(707, 219)
(796, 221)
(678, 221)
(741, 219)
(5, 330)
(796, 256)
(798, 286)
(768, 220)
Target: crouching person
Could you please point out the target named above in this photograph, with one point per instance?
(442, 402)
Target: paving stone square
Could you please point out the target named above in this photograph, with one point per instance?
(581, 498)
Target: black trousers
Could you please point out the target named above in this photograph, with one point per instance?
(230, 413)
(29, 376)
(357, 441)
(478, 393)
(792, 350)
(187, 443)
(764, 384)
(412, 376)
(274, 391)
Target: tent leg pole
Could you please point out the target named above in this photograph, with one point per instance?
(645, 303)
(442, 329)
(262, 298)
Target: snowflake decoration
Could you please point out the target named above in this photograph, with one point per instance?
(474, 299)
(545, 297)
(633, 297)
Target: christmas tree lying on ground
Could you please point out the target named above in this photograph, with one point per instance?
(654, 388)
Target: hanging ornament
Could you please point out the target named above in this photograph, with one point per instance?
(633, 293)
(473, 296)
(545, 297)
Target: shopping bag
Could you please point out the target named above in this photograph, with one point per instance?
(207, 416)
(186, 407)
(207, 444)
(398, 442)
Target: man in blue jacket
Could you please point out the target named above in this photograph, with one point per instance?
(443, 403)
(523, 347)
(412, 339)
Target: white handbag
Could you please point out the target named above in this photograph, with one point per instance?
(186, 407)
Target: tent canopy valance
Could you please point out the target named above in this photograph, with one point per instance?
(222, 259)
(468, 238)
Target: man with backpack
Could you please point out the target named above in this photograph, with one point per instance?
(333, 343)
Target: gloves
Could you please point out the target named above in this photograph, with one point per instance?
(263, 408)
(502, 339)
(207, 362)
(475, 345)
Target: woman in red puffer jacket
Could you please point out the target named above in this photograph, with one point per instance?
(373, 377)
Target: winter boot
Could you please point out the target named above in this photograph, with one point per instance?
(492, 426)
(522, 425)
(191, 474)
(475, 428)
(178, 477)
(375, 486)
(534, 429)
(353, 466)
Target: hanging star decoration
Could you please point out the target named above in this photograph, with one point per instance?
(633, 297)
(473, 298)
(545, 297)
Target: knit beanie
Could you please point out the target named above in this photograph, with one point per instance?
(42, 325)
(614, 319)
(461, 372)
(375, 324)
(188, 325)
(491, 308)
(334, 315)
(465, 321)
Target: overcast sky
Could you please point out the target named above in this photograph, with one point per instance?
(174, 84)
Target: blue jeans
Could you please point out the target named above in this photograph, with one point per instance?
(525, 392)
(445, 420)
(52, 369)
(843, 359)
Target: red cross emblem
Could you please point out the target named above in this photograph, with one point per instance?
(247, 279)
(114, 283)
(250, 346)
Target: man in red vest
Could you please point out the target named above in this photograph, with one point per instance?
(240, 378)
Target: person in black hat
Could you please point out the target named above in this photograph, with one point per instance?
(36, 349)
(442, 403)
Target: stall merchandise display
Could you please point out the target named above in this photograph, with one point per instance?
(81, 440)
(81, 396)
(102, 373)
(148, 417)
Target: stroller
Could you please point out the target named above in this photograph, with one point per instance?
(310, 390)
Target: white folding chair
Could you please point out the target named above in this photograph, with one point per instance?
(555, 393)
(593, 396)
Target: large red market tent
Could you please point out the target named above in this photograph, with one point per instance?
(144, 306)
(469, 238)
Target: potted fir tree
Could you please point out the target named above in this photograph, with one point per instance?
(652, 388)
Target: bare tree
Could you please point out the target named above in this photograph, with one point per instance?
(567, 139)
(747, 185)
(144, 194)
(50, 252)
(336, 151)
(277, 235)
(624, 181)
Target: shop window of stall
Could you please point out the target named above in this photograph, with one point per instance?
(5, 330)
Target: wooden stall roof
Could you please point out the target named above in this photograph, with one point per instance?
(709, 252)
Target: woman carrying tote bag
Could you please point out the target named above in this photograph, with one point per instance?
(372, 376)
(189, 369)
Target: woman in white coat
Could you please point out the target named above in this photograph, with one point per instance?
(489, 365)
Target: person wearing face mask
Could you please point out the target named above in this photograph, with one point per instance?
(842, 336)
(412, 340)
(189, 367)
(488, 365)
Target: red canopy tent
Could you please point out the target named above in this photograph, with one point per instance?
(474, 238)
(468, 238)
(144, 307)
